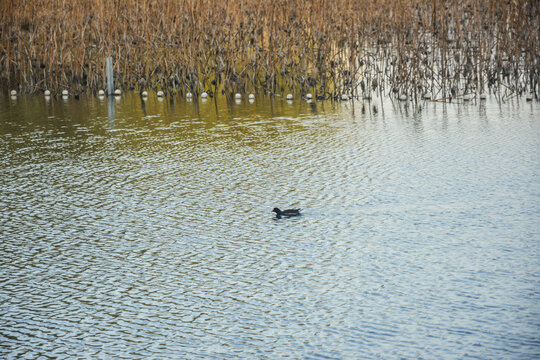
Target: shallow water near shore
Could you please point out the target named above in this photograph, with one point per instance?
(143, 230)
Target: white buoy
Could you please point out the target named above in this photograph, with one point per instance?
(366, 96)
(144, 93)
(204, 95)
(528, 97)
(117, 92)
(483, 96)
(65, 93)
(309, 96)
(427, 96)
(47, 93)
(101, 93)
(189, 95)
(13, 93)
(468, 97)
(344, 97)
(289, 97)
(160, 93)
(251, 97)
(403, 97)
(238, 96)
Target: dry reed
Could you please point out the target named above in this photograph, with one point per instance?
(326, 47)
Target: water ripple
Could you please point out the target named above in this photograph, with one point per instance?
(150, 235)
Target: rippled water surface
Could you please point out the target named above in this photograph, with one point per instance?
(147, 233)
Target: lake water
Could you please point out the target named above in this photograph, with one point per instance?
(147, 233)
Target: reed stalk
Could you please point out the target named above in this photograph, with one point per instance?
(329, 48)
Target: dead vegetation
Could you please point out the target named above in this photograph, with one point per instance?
(325, 47)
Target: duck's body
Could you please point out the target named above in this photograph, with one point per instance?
(286, 213)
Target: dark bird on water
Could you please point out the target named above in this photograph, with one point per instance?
(286, 213)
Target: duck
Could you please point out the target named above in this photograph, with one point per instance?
(286, 213)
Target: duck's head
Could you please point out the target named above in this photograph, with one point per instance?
(276, 210)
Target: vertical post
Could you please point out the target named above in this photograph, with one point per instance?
(110, 81)
(110, 90)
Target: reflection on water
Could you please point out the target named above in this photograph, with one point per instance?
(148, 233)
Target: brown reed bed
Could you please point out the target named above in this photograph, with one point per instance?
(326, 47)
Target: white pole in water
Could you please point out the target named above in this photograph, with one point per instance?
(110, 90)
(110, 82)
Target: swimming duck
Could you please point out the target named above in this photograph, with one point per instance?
(286, 213)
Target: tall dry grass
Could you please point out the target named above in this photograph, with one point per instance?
(326, 47)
